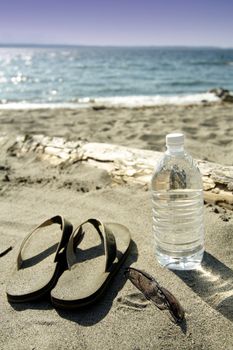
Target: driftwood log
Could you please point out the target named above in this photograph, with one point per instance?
(125, 165)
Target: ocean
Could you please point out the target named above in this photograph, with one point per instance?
(129, 76)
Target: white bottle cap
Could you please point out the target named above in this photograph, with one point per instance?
(175, 139)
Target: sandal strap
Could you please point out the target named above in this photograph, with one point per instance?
(66, 228)
(106, 236)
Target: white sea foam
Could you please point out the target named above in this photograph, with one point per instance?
(150, 101)
(119, 101)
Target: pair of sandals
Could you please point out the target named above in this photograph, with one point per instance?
(50, 260)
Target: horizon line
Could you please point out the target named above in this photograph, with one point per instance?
(29, 44)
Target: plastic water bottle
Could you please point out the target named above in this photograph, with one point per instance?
(177, 197)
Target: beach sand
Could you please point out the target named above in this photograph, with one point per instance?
(208, 127)
(32, 191)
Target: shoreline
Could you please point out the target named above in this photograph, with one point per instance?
(137, 101)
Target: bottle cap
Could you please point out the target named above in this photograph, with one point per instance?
(175, 139)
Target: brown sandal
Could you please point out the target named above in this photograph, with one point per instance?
(40, 261)
(92, 264)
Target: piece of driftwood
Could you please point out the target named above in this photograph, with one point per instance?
(126, 165)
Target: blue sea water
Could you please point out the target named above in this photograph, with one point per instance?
(62, 75)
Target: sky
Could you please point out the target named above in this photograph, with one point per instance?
(117, 22)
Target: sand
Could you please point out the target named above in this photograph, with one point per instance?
(32, 191)
(208, 127)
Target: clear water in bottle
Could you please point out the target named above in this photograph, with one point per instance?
(177, 199)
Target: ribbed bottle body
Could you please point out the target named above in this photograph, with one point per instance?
(177, 201)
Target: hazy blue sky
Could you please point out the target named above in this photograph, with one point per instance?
(117, 22)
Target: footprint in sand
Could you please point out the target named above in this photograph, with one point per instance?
(151, 137)
(190, 130)
(134, 301)
(211, 123)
